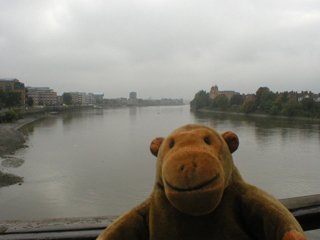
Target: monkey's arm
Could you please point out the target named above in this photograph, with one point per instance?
(267, 218)
(132, 225)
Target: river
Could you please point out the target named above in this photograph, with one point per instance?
(97, 162)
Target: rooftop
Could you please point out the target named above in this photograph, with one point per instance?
(8, 79)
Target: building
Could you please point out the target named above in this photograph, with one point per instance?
(133, 96)
(293, 95)
(214, 92)
(42, 95)
(60, 100)
(302, 95)
(92, 98)
(13, 84)
(78, 97)
(248, 96)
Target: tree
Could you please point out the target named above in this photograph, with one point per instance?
(290, 108)
(30, 101)
(222, 102)
(201, 99)
(248, 106)
(264, 99)
(236, 99)
(283, 98)
(274, 110)
(67, 98)
(259, 94)
(11, 115)
(3, 95)
(279, 103)
(307, 104)
(13, 99)
(267, 100)
(3, 98)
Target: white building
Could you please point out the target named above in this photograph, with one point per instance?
(94, 98)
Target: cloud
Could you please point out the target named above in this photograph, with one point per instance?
(161, 48)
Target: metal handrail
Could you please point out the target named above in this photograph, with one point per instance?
(306, 209)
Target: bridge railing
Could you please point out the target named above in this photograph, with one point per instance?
(306, 210)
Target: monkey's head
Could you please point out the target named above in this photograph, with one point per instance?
(194, 166)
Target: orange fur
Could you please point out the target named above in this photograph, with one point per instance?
(200, 194)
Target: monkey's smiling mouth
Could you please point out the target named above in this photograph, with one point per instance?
(193, 188)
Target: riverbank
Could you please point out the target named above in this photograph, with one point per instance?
(11, 140)
(257, 114)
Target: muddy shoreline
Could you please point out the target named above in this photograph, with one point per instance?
(11, 140)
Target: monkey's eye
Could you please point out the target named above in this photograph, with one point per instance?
(172, 144)
(207, 140)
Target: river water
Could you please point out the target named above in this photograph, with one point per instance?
(97, 162)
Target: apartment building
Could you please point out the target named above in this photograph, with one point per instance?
(43, 95)
(92, 98)
(78, 97)
(13, 84)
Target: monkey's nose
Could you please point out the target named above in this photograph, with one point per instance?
(185, 167)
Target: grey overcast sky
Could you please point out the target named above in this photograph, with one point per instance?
(161, 49)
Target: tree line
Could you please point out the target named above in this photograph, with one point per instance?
(264, 101)
(11, 99)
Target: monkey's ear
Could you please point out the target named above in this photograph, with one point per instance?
(155, 145)
(232, 140)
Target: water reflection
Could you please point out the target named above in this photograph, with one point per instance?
(274, 153)
(265, 126)
(256, 121)
(133, 111)
(67, 118)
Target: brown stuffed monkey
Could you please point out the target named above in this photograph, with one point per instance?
(200, 194)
